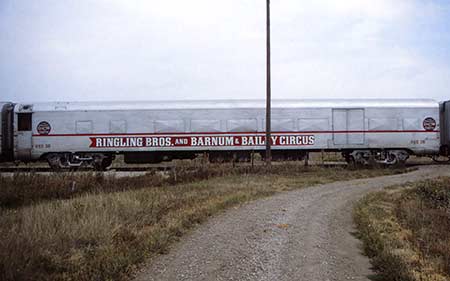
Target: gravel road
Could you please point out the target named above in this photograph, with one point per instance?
(299, 235)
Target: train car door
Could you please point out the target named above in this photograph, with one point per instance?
(340, 126)
(24, 136)
(348, 126)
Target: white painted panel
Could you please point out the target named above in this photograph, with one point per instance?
(118, 127)
(205, 126)
(24, 143)
(84, 127)
(169, 126)
(282, 125)
(412, 124)
(355, 122)
(376, 124)
(242, 125)
(339, 124)
(311, 124)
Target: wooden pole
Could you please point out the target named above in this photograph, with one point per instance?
(268, 92)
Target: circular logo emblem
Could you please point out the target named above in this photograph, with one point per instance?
(429, 124)
(43, 128)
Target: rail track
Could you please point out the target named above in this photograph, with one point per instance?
(49, 170)
(152, 168)
(118, 172)
(155, 168)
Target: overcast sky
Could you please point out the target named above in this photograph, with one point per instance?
(70, 50)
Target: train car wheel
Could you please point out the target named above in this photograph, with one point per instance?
(397, 158)
(54, 161)
(102, 162)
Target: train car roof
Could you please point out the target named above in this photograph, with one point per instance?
(227, 104)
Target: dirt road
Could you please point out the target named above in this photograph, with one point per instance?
(299, 235)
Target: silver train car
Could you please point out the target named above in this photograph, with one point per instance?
(74, 134)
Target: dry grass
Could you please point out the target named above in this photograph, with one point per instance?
(105, 230)
(30, 188)
(407, 231)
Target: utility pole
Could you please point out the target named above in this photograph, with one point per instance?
(268, 92)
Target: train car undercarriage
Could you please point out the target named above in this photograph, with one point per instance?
(67, 160)
(101, 161)
(370, 157)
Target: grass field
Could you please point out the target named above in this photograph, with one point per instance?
(406, 231)
(89, 227)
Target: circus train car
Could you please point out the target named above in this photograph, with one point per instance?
(74, 134)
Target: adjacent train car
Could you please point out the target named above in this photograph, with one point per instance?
(73, 134)
(6, 132)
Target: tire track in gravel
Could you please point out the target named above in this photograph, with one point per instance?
(304, 234)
